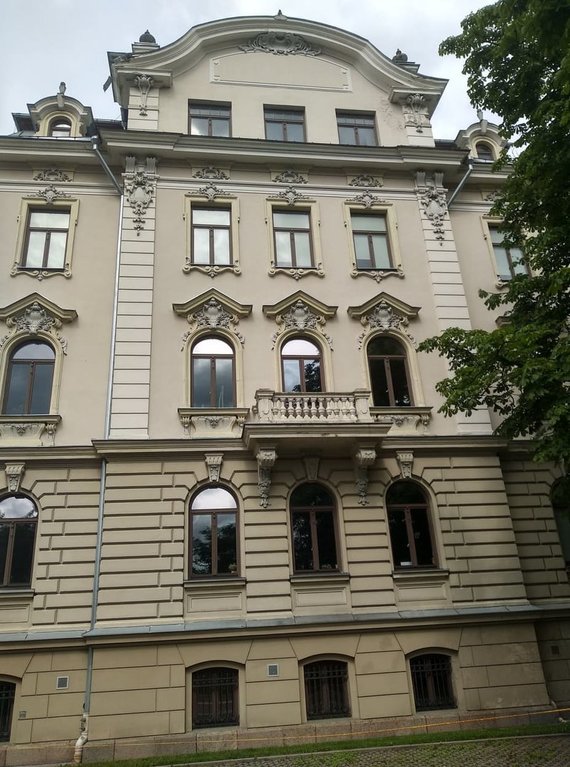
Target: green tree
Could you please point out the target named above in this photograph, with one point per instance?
(517, 60)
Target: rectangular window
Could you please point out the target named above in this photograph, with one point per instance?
(370, 237)
(356, 128)
(292, 237)
(215, 697)
(326, 690)
(46, 239)
(214, 543)
(207, 118)
(410, 536)
(284, 124)
(431, 680)
(509, 260)
(211, 236)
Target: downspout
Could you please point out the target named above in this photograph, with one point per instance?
(84, 726)
(461, 184)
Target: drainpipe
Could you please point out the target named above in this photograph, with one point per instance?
(84, 726)
(461, 184)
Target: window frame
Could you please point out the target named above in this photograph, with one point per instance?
(491, 225)
(292, 231)
(195, 201)
(12, 524)
(7, 710)
(388, 371)
(478, 143)
(31, 362)
(31, 205)
(375, 209)
(212, 357)
(301, 357)
(304, 206)
(561, 512)
(309, 697)
(213, 512)
(57, 121)
(430, 683)
(311, 511)
(235, 720)
(356, 114)
(211, 228)
(408, 509)
(267, 108)
(212, 105)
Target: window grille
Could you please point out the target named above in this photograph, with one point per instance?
(7, 695)
(431, 680)
(326, 690)
(215, 697)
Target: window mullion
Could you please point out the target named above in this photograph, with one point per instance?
(314, 541)
(9, 553)
(214, 543)
(411, 539)
(388, 370)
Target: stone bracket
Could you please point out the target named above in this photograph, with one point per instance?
(266, 458)
(364, 458)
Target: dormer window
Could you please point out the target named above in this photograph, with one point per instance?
(60, 127)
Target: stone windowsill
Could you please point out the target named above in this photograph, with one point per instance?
(28, 430)
(420, 575)
(212, 583)
(310, 579)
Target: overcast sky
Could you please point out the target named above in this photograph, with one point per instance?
(47, 41)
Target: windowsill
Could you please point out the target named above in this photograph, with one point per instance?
(408, 419)
(39, 272)
(28, 430)
(297, 272)
(420, 574)
(376, 273)
(16, 592)
(211, 582)
(211, 269)
(326, 577)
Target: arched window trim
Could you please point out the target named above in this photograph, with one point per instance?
(322, 343)
(238, 534)
(21, 339)
(223, 335)
(433, 521)
(302, 336)
(414, 378)
(54, 122)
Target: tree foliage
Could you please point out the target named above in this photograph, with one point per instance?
(517, 60)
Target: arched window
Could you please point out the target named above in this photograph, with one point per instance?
(213, 518)
(60, 127)
(313, 526)
(326, 689)
(561, 508)
(410, 526)
(431, 681)
(215, 699)
(7, 696)
(213, 373)
(18, 520)
(29, 380)
(301, 366)
(388, 368)
(484, 151)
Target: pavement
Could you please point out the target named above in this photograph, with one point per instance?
(525, 751)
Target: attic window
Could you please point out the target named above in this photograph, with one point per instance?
(484, 151)
(60, 128)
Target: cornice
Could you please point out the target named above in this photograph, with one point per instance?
(123, 448)
(48, 455)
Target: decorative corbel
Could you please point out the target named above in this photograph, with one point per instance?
(144, 83)
(406, 462)
(14, 473)
(266, 458)
(311, 466)
(364, 458)
(213, 465)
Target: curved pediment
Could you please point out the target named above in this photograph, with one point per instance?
(296, 52)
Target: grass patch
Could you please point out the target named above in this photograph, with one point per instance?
(343, 745)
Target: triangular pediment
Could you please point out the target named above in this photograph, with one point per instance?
(214, 301)
(383, 301)
(298, 300)
(35, 308)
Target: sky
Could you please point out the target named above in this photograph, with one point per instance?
(47, 41)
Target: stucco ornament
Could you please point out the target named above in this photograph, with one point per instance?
(415, 112)
(365, 179)
(291, 195)
(31, 321)
(280, 44)
(300, 317)
(383, 317)
(266, 458)
(214, 465)
(144, 83)
(364, 458)
(367, 198)
(289, 177)
(211, 172)
(52, 174)
(14, 473)
(406, 463)
(434, 203)
(50, 194)
(213, 315)
(211, 191)
(140, 184)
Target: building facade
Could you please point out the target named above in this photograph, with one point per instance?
(231, 512)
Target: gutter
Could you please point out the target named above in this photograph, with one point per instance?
(84, 725)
